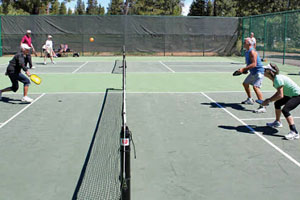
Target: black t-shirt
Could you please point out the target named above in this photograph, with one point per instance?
(16, 64)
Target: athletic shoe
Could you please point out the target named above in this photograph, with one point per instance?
(275, 124)
(261, 109)
(0, 95)
(53, 62)
(33, 67)
(292, 136)
(45, 63)
(26, 99)
(248, 101)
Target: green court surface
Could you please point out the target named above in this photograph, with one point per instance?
(193, 138)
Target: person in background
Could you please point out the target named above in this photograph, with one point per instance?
(49, 50)
(253, 40)
(27, 40)
(14, 73)
(287, 95)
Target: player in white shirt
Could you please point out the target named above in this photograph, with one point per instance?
(49, 49)
(253, 40)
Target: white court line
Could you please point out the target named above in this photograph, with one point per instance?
(80, 67)
(253, 119)
(166, 66)
(256, 133)
(135, 92)
(3, 124)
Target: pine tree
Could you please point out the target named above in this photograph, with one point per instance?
(92, 7)
(62, 9)
(70, 12)
(197, 8)
(54, 10)
(116, 7)
(209, 8)
(101, 10)
(80, 8)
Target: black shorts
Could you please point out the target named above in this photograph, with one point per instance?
(290, 103)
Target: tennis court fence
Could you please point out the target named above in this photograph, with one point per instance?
(277, 35)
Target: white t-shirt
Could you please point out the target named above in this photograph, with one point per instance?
(49, 44)
(253, 41)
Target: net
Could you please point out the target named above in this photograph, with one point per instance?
(100, 175)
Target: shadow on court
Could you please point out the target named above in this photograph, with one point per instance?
(12, 101)
(293, 74)
(265, 130)
(235, 106)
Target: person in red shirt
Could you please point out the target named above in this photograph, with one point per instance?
(27, 40)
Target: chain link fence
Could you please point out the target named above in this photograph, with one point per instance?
(277, 35)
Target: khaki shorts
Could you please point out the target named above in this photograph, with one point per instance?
(254, 79)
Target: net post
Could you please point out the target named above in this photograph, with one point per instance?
(125, 142)
(125, 168)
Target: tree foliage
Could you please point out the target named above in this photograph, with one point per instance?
(116, 7)
(80, 8)
(62, 9)
(240, 8)
(234, 8)
(198, 8)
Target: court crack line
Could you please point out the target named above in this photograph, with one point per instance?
(18, 113)
(256, 133)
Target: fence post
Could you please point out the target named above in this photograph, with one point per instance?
(243, 31)
(284, 43)
(1, 48)
(265, 36)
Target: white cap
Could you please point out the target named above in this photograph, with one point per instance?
(49, 36)
(25, 46)
(28, 31)
(270, 68)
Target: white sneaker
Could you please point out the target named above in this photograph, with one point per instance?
(45, 63)
(53, 62)
(26, 99)
(275, 124)
(33, 67)
(248, 101)
(292, 136)
(261, 109)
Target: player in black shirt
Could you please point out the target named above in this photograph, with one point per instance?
(14, 73)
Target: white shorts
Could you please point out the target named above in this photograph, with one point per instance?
(254, 79)
(49, 50)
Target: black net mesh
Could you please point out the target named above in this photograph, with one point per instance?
(99, 179)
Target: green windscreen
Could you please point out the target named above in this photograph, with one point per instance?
(154, 35)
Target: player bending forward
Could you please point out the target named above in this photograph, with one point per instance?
(287, 95)
(14, 73)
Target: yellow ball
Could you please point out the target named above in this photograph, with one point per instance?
(91, 39)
